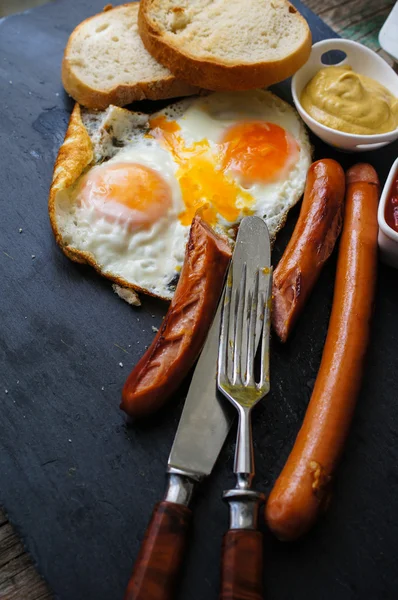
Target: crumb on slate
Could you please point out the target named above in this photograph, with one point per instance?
(127, 295)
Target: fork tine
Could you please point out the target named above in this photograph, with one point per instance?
(251, 337)
(245, 319)
(239, 311)
(224, 334)
(264, 375)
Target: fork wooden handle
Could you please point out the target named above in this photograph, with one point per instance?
(242, 564)
(158, 564)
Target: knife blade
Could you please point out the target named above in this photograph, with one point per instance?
(206, 416)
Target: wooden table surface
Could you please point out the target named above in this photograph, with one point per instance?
(358, 20)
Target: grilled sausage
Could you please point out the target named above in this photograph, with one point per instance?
(302, 489)
(311, 244)
(183, 331)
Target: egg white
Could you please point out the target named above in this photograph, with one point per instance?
(151, 258)
(210, 116)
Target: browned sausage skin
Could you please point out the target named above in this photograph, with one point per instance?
(301, 490)
(311, 244)
(183, 331)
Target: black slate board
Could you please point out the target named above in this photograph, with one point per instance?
(76, 482)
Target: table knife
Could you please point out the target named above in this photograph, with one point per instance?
(202, 430)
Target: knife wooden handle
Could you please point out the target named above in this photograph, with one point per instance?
(161, 554)
(242, 565)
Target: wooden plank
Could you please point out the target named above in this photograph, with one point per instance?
(23, 582)
(9, 7)
(18, 577)
(359, 20)
(10, 546)
(3, 518)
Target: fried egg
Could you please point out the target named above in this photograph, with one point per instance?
(129, 209)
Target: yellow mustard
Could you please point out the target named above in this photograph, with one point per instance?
(347, 101)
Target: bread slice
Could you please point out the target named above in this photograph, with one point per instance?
(226, 44)
(106, 63)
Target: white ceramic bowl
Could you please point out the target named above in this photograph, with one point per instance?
(388, 238)
(363, 61)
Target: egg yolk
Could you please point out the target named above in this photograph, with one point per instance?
(204, 185)
(126, 192)
(258, 151)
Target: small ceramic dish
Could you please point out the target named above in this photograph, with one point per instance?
(388, 238)
(363, 61)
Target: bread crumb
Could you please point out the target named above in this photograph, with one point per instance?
(126, 294)
(102, 388)
(33, 256)
(120, 364)
(179, 19)
(156, 329)
(6, 391)
(20, 230)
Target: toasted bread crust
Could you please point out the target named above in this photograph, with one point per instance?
(74, 156)
(169, 87)
(217, 75)
(120, 95)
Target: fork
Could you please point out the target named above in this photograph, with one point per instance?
(246, 305)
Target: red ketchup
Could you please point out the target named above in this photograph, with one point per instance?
(391, 212)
